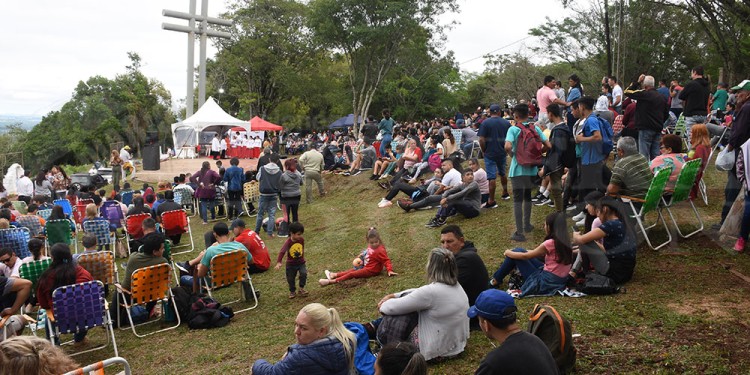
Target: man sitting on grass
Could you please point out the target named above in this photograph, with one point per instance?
(464, 199)
(199, 266)
(451, 178)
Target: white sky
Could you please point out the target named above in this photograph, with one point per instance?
(48, 46)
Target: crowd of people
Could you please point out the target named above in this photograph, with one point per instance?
(582, 155)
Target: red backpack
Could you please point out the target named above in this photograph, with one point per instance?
(528, 146)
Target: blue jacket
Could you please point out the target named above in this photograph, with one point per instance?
(322, 357)
(235, 177)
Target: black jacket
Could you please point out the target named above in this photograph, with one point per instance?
(562, 142)
(472, 274)
(695, 98)
(651, 109)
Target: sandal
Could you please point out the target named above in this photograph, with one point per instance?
(302, 292)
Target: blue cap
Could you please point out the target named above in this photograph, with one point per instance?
(494, 108)
(493, 304)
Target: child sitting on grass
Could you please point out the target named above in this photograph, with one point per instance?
(294, 248)
(372, 260)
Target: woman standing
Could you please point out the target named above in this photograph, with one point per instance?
(291, 193)
(206, 180)
(60, 181)
(42, 186)
(116, 163)
(324, 346)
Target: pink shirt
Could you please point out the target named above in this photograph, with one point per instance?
(676, 161)
(544, 97)
(550, 261)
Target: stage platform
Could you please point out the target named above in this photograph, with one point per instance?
(173, 167)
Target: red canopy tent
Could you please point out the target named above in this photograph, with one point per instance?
(259, 124)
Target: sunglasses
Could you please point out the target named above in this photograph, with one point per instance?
(6, 260)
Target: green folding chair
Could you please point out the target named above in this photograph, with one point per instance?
(685, 183)
(32, 271)
(21, 207)
(59, 231)
(651, 204)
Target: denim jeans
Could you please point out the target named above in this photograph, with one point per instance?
(526, 267)
(692, 120)
(387, 138)
(207, 203)
(648, 143)
(266, 203)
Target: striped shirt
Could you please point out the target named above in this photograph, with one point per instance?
(633, 175)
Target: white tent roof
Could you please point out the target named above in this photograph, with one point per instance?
(187, 132)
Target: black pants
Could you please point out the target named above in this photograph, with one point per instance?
(462, 207)
(398, 187)
(292, 212)
(234, 201)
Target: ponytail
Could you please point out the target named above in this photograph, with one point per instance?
(320, 317)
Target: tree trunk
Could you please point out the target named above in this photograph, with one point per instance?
(608, 38)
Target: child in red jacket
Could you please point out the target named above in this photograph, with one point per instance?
(373, 260)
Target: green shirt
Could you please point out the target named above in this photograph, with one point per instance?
(516, 169)
(223, 248)
(720, 99)
(633, 175)
(139, 260)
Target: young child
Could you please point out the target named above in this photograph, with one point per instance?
(294, 248)
(373, 259)
(541, 278)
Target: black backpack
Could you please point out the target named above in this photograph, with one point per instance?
(206, 313)
(555, 330)
(567, 156)
(597, 284)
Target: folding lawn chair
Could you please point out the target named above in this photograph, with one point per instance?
(126, 197)
(101, 266)
(98, 367)
(80, 306)
(177, 222)
(186, 200)
(80, 212)
(66, 206)
(58, 231)
(227, 269)
(475, 150)
(32, 223)
(21, 207)
(650, 204)
(101, 229)
(148, 284)
(220, 201)
(133, 228)
(685, 183)
(44, 214)
(32, 271)
(112, 211)
(251, 194)
(16, 239)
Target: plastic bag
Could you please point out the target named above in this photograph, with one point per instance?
(725, 161)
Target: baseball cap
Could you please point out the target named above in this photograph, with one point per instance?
(237, 223)
(127, 147)
(493, 304)
(494, 108)
(744, 85)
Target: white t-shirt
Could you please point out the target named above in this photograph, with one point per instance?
(11, 271)
(616, 92)
(223, 144)
(25, 186)
(452, 178)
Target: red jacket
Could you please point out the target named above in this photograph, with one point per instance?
(376, 258)
(46, 286)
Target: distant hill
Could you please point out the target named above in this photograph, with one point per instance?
(26, 122)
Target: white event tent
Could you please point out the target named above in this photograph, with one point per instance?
(186, 133)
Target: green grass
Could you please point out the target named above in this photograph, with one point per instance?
(682, 312)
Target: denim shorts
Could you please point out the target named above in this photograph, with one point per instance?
(495, 167)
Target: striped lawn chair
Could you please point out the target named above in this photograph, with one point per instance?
(148, 284)
(32, 223)
(16, 239)
(227, 269)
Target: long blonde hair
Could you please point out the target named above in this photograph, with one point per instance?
(30, 355)
(321, 316)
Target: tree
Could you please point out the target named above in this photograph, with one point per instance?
(371, 34)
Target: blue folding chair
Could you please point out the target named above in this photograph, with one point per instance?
(126, 197)
(80, 306)
(16, 239)
(100, 229)
(44, 214)
(32, 223)
(66, 206)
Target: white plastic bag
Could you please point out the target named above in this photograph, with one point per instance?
(725, 160)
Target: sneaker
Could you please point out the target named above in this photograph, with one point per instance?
(580, 216)
(518, 237)
(739, 246)
(431, 223)
(581, 223)
(328, 274)
(384, 203)
(292, 295)
(538, 197)
(437, 223)
(544, 201)
(551, 203)
(490, 205)
(282, 235)
(374, 177)
(505, 196)
(572, 209)
(382, 176)
(356, 173)
(425, 208)
(347, 173)
(385, 185)
(529, 229)
(302, 292)
(324, 282)
(403, 205)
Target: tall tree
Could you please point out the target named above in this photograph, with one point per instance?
(371, 34)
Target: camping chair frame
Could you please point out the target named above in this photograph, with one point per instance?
(220, 200)
(80, 306)
(98, 367)
(148, 284)
(21, 207)
(187, 202)
(63, 226)
(112, 211)
(475, 150)
(17, 239)
(685, 182)
(126, 197)
(227, 269)
(80, 212)
(133, 227)
(651, 203)
(251, 194)
(177, 219)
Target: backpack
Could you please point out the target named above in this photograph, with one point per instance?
(607, 134)
(528, 146)
(555, 331)
(597, 284)
(206, 313)
(434, 161)
(567, 157)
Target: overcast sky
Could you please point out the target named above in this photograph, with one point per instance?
(47, 46)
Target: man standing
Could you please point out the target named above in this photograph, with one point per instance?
(740, 135)
(695, 99)
(215, 147)
(253, 243)
(631, 175)
(234, 176)
(651, 111)
(720, 97)
(518, 352)
(269, 181)
(25, 187)
(663, 89)
(592, 156)
(311, 162)
(616, 94)
(472, 273)
(545, 96)
(370, 130)
(492, 132)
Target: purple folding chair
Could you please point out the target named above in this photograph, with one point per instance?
(80, 306)
(111, 211)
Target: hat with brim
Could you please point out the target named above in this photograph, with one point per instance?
(493, 304)
(744, 85)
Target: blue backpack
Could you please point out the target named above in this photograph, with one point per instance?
(607, 134)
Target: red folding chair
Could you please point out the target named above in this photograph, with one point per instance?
(177, 222)
(133, 228)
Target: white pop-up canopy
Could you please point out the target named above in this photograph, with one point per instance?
(186, 133)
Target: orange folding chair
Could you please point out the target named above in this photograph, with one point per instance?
(227, 269)
(148, 284)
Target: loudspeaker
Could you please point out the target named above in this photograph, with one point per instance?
(152, 138)
(151, 161)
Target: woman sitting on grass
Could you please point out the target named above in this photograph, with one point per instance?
(615, 255)
(324, 346)
(541, 278)
(368, 264)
